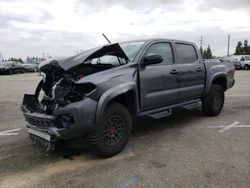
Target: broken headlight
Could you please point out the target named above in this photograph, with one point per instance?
(65, 91)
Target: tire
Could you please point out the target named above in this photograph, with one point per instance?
(213, 103)
(246, 67)
(113, 130)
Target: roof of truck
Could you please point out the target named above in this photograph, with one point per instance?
(158, 39)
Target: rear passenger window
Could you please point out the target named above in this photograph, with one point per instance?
(186, 53)
(163, 49)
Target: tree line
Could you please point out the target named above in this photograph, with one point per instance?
(207, 53)
(242, 49)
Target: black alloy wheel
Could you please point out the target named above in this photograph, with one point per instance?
(113, 130)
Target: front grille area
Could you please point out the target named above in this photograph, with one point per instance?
(39, 120)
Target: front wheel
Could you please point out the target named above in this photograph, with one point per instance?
(113, 130)
(213, 103)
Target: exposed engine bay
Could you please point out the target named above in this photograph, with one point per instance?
(60, 87)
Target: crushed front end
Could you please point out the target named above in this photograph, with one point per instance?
(59, 110)
(65, 102)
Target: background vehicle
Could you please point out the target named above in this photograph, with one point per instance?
(213, 60)
(96, 93)
(11, 67)
(236, 60)
(245, 62)
(30, 67)
(237, 64)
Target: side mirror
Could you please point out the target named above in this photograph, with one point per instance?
(152, 59)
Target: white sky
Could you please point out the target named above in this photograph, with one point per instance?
(61, 27)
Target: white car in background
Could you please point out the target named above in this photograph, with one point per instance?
(245, 62)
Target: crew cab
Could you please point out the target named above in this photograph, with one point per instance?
(96, 93)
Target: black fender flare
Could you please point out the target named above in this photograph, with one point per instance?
(114, 92)
(214, 77)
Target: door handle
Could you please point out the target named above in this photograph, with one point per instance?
(199, 69)
(174, 72)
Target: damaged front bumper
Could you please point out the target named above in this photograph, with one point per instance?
(74, 120)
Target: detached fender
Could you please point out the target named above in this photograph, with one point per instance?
(114, 92)
(212, 78)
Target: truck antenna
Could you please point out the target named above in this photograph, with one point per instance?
(106, 38)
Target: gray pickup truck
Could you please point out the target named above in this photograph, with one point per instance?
(96, 93)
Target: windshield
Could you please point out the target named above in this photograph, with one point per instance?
(247, 57)
(107, 60)
(131, 48)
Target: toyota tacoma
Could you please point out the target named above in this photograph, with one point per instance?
(96, 93)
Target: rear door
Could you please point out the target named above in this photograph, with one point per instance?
(158, 82)
(191, 77)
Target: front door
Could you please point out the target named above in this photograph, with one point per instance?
(158, 82)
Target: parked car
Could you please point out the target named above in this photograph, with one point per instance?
(97, 92)
(30, 67)
(245, 62)
(11, 67)
(213, 60)
(235, 62)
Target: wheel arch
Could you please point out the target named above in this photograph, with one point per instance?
(125, 94)
(220, 79)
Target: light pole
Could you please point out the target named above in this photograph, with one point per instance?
(228, 44)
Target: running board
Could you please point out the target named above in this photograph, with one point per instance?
(190, 106)
(167, 110)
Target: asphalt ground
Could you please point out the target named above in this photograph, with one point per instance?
(186, 149)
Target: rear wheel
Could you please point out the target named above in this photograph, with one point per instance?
(113, 130)
(246, 67)
(213, 103)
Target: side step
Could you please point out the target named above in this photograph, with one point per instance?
(191, 105)
(167, 110)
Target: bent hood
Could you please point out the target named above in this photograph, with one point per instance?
(70, 62)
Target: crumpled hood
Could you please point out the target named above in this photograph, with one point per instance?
(70, 62)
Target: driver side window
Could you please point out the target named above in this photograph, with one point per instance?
(163, 49)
